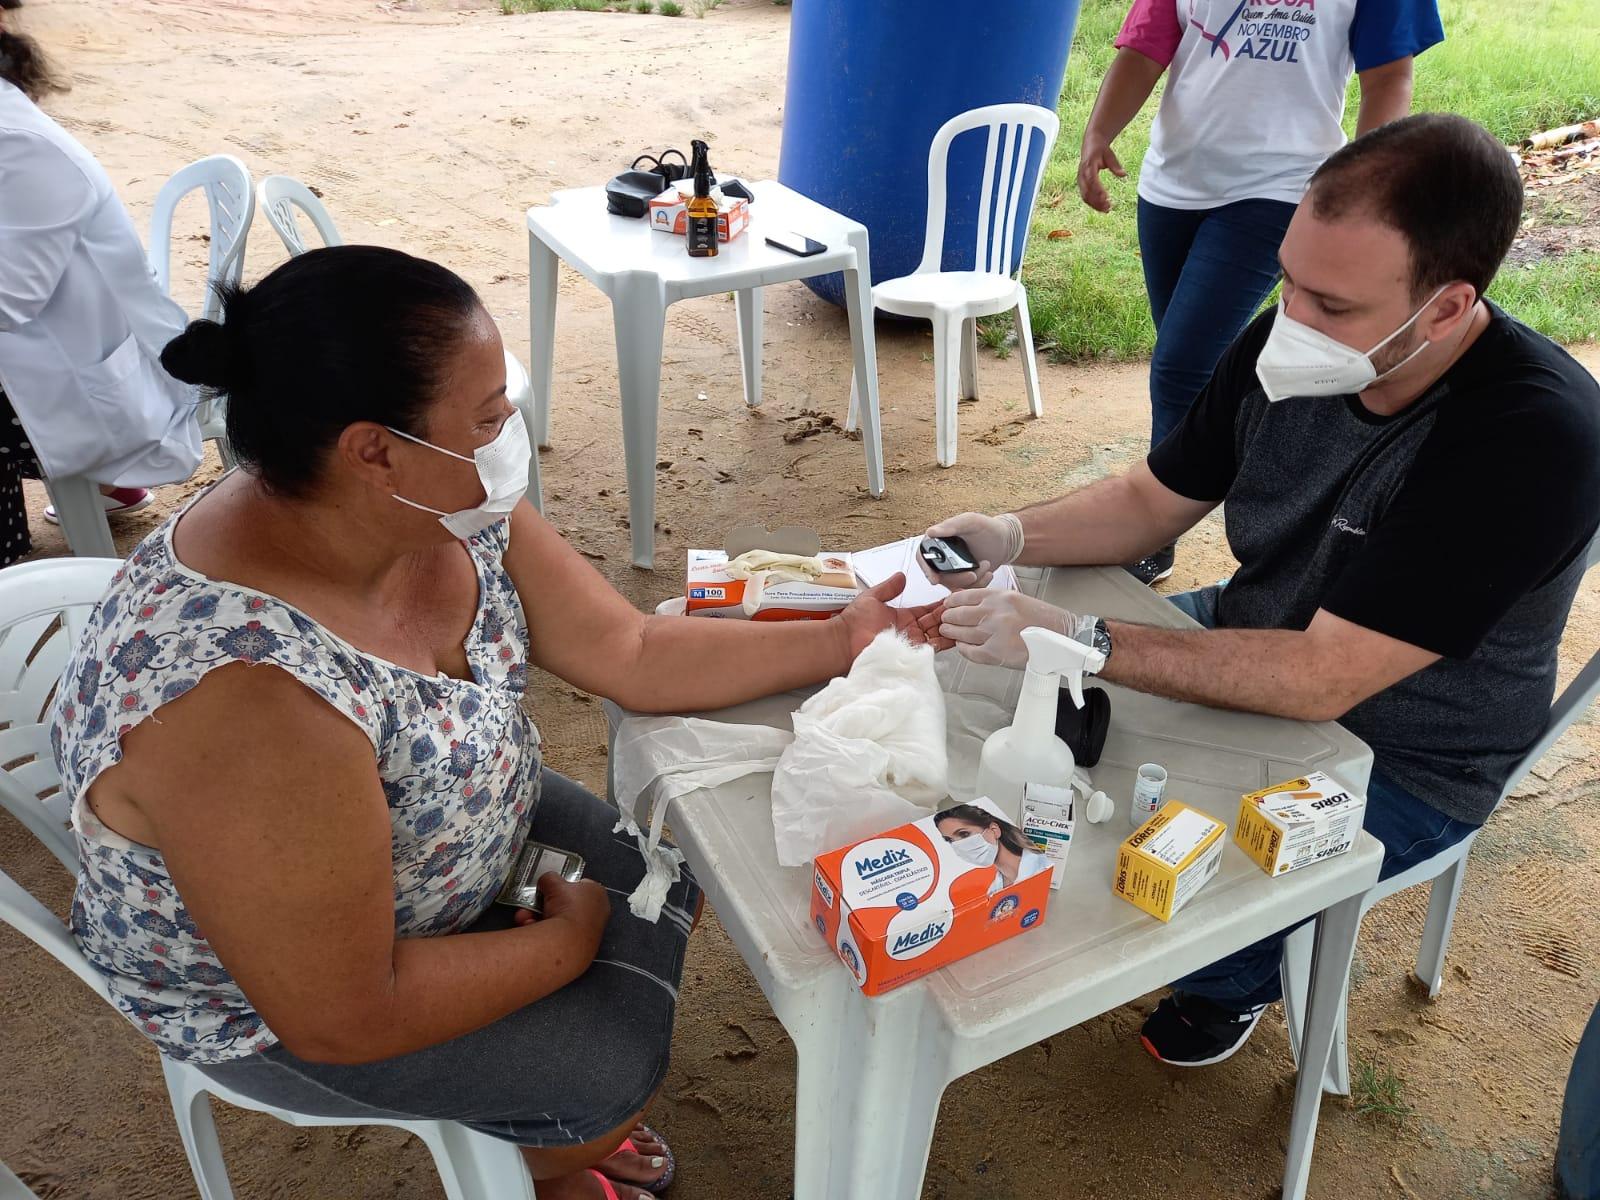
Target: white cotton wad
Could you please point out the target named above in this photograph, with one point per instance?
(868, 753)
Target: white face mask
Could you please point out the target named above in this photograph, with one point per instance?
(1301, 361)
(502, 470)
(976, 849)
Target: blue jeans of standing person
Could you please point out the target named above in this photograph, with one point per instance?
(1410, 830)
(1578, 1147)
(1206, 271)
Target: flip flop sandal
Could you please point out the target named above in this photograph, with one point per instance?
(605, 1185)
(665, 1181)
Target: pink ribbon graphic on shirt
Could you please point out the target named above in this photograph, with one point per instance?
(1217, 39)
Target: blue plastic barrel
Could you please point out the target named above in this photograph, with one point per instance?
(871, 81)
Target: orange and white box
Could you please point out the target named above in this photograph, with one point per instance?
(1298, 822)
(669, 213)
(897, 906)
(710, 591)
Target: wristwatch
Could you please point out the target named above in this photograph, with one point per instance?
(1101, 639)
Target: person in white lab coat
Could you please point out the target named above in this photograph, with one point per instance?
(82, 320)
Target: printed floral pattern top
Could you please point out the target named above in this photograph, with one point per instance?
(459, 762)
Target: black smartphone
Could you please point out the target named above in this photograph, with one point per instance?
(947, 554)
(797, 244)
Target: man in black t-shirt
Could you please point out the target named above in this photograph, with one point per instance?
(1384, 426)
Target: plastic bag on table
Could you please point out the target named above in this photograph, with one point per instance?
(658, 759)
(868, 753)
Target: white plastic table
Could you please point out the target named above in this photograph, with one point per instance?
(643, 271)
(871, 1070)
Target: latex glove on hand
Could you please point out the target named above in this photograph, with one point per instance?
(994, 541)
(986, 626)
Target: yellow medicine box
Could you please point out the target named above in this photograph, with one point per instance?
(1298, 822)
(1168, 859)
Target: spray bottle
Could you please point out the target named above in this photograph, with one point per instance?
(1028, 750)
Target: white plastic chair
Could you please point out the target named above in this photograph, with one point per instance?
(278, 196)
(44, 607)
(954, 300)
(12, 1188)
(231, 204)
(226, 181)
(1443, 873)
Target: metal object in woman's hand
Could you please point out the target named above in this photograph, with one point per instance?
(521, 888)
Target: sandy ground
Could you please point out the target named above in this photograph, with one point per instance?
(432, 127)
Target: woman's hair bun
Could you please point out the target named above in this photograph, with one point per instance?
(202, 354)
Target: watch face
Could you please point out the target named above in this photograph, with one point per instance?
(1102, 638)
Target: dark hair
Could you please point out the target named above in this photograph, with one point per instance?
(1443, 182)
(23, 64)
(1010, 835)
(331, 337)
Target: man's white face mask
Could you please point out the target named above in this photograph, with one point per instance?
(1301, 361)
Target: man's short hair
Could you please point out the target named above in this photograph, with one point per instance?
(1444, 183)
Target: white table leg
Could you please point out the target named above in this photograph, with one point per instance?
(639, 319)
(747, 305)
(867, 1096)
(864, 345)
(1337, 927)
(969, 359)
(541, 334)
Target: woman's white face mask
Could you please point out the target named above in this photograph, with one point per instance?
(976, 849)
(1301, 361)
(502, 470)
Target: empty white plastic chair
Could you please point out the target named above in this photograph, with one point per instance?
(954, 300)
(279, 196)
(231, 203)
(1443, 873)
(44, 607)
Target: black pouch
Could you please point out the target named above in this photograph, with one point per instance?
(629, 194)
(1084, 729)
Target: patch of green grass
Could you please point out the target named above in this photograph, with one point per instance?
(513, 7)
(1376, 1090)
(669, 8)
(1560, 297)
(643, 6)
(1513, 74)
(701, 7)
(1514, 70)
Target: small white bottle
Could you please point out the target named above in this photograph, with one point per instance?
(1028, 750)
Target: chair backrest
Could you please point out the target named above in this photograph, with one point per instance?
(231, 203)
(1012, 130)
(44, 607)
(277, 197)
(1570, 705)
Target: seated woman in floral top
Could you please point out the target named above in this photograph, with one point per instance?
(288, 873)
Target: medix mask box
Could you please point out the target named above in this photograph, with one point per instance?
(709, 590)
(1298, 822)
(899, 905)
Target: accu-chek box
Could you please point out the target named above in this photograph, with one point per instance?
(899, 905)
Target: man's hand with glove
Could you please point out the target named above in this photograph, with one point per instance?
(994, 541)
(986, 626)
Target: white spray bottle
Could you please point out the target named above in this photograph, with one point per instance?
(1028, 750)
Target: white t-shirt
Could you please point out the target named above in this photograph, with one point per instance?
(1256, 88)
